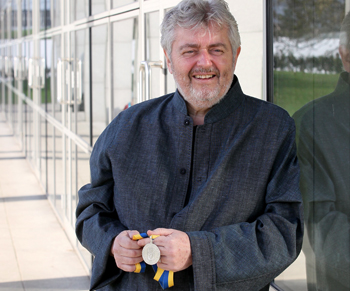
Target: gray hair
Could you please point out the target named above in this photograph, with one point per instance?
(191, 14)
(345, 32)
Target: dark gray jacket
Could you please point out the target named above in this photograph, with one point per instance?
(244, 216)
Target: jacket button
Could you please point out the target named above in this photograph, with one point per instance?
(183, 171)
(187, 122)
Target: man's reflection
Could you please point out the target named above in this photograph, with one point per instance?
(323, 149)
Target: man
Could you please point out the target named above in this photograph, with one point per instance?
(209, 169)
(323, 149)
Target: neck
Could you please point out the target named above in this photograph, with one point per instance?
(196, 114)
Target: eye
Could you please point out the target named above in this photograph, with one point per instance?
(189, 52)
(217, 52)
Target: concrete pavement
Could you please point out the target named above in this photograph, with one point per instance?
(35, 253)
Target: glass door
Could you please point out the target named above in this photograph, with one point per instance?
(153, 78)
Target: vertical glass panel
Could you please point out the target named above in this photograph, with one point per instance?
(83, 178)
(51, 162)
(43, 151)
(28, 17)
(125, 69)
(14, 20)
(311, 81)
(56, 13)
(82, 83)
(55, 81)
(119, 3)
(98, 6)
(79, 9)
(59, 188)
(169, 79)
(99, 80)
(74, 187)
(45, 14)
(152, 49)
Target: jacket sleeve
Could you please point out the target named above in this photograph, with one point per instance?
(249, 255)
(97, 220)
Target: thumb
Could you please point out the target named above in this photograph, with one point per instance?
(131, 233)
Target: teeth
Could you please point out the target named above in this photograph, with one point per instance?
(204, 76)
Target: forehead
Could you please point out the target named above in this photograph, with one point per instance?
(201, 36)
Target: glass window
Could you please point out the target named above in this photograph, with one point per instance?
(79, 9)
(56, 13)
(119, 3)
(45, 14)
(27, 12)
(100, 106)
(98, 6)
(14, 18)
(311, 81)
(81, 83)
(125, 69)
(152, 50)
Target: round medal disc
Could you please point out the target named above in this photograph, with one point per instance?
(150, 254)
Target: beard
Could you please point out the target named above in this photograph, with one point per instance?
(203, 97)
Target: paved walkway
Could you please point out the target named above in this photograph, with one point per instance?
(35, 253)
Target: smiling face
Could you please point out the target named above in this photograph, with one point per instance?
(203, 64)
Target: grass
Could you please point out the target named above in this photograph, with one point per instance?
(292, 90)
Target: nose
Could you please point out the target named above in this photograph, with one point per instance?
(204, 59)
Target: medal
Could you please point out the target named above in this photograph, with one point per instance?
(150, 253)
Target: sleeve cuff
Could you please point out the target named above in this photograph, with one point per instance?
(203, 261)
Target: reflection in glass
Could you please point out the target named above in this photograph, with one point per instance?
(27, 12)
(14, 33)
(306, 58)
(323, 149)
(311, 81)
(125, 64)
(45, 14)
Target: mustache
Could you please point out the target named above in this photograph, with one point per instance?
(213, 70)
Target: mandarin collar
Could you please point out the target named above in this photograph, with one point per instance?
(223, 109)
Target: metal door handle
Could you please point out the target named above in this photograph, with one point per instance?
(145, 88)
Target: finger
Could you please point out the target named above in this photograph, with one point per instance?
(120, 259)
(160, 231)
(142, 242)
(126, 267)
(127, 243)
(130, 253)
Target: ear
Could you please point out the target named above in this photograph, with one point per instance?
(168, 62)
(236, 57)
(345, 57)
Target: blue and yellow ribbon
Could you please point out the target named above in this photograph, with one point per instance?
(165, 278)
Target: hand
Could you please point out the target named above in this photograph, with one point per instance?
(125, 251)
(174, 246)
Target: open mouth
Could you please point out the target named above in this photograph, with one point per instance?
(204, 76)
